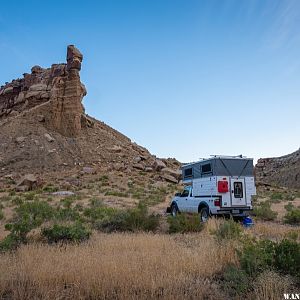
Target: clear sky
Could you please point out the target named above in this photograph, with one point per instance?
(183, 78)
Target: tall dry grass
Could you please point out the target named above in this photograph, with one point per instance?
(270, 285)
(118, 266)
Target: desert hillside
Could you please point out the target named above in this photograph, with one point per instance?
(44, 131)
(282, 171)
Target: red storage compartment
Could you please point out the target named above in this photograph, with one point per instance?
(223, 186)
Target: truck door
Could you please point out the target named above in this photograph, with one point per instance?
(238, 197)
(182, 201)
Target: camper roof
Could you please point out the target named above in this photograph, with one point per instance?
(213, 157)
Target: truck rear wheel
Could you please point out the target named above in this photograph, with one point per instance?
(204, 214)
(174, 210)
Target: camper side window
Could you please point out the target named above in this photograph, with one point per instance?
(205, 169)
(188, 173)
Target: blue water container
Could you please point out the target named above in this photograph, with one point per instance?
(247, 222)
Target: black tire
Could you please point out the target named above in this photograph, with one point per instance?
(174, 210)
(204, 214)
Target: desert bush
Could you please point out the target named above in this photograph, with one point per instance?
(276, 196)
(292, 217)
(229, 229)
(289, 206)
(256, 256)
(50, 188)
(184, 223)
(95, 202)
(67, 214)
(138, 219)
(17, 200)
(111, 219)
(30, 196)
(235, 281)
(1, 214)
(264, 212)
(66, 233)
(287, 257)
(29, 215)
(10, 242)
(259, 255)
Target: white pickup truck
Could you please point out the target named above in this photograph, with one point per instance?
(216, 186)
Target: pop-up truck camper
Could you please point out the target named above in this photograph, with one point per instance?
(220, 185)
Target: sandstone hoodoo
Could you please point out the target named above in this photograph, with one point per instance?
(57, 91)
(44, 129)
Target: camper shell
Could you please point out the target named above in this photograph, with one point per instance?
(217, 185)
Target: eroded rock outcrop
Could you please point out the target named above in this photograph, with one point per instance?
(58, 87)
(281, 171)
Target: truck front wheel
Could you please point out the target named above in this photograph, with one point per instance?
(174, 210)
(204, 214)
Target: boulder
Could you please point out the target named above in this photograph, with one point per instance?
(137, 159)
(28, 182)
(40, 118)
(169, 178)
(20, 139)
(149, 169)
(88, 170)
(48, 137)
(159, 165)
(173, 173)
(139, 167)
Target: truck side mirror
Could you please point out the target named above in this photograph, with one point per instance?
(177, 194)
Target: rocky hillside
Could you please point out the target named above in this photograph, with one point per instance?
(281, 171)
(44, 129)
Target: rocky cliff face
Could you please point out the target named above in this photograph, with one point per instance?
(43, 130)
(58, 86)
(281, 171)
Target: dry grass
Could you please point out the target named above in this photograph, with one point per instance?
(118, 266)
(269, 285)
(272, 230)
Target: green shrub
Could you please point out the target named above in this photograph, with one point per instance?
(264, 212)
(235, 281)
(135, 219)
(50, 188)
(9, 243)
(259, 255)
(95, 202)
(228, 230)
(17, 200)
(66, 233)
(67, 214)
(139, 219)
(292, 217)
(287, 257)
(183, 223)
(29, 196)
(276, 196)
(289, 206)
(29, 216)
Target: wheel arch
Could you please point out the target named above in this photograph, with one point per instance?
(203, 204)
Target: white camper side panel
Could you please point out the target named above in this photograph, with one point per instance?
(206, 186)
(250, 189)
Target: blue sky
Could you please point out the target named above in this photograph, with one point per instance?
(183, 78)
